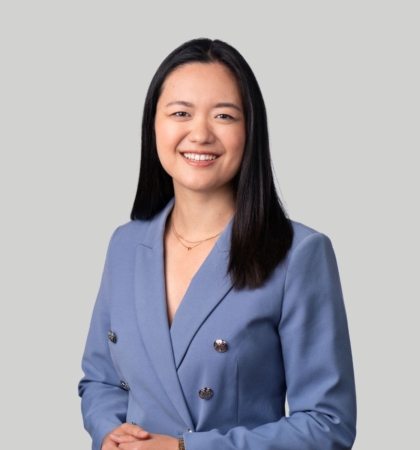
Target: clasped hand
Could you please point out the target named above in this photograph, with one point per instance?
(133, 437)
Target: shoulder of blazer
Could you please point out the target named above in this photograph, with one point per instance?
(132, 232)
(300, 233)
(306, 237)
(143, 232)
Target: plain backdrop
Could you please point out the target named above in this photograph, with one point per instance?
(341, 84)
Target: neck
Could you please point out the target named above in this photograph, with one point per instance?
(200, 215)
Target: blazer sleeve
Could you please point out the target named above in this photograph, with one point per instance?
(317, 362)
(104, 402)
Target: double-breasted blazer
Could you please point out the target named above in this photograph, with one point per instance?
(288, 336)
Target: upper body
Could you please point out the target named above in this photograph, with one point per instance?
(213, 305)
(288, 336)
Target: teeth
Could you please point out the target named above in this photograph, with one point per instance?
(197, 157)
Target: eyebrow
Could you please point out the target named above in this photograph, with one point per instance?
(228, 105)
(180, 102)
(190, 105)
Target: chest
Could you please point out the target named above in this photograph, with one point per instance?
(248, 369)
(180, 266)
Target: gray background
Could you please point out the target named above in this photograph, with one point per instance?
(341, 83)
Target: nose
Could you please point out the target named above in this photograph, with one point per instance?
(201, 131)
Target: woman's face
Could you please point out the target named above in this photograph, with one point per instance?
(200, 127)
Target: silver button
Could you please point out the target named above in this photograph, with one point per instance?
(220, 345)
(112, 337)
(205, 393)
(125, 385)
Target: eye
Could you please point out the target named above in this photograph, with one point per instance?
(180, 114)
(224, 116)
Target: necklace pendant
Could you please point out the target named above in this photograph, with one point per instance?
(189, 248)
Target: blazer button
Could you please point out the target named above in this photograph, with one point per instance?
(205, 393)
(125, 385)
(112, 337)
(220, 345)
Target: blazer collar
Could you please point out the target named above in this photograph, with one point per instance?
(156, 228)
(157, 224)
(167, 347)
(207, 289)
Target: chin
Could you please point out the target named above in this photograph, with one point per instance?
(201, 189)
(200, 185)
(196, 185)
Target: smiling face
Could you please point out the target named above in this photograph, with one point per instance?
(200, 127)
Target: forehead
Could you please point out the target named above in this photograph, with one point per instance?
(200, 82)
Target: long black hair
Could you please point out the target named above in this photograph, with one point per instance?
(261, 232)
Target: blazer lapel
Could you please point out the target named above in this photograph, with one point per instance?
(207, 289)
(151, 309)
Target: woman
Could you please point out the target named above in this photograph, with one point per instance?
(213, 304)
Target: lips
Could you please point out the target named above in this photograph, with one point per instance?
(199, 156)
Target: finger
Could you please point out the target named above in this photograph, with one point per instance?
(123, 438)
(134, 430)
(108, 444)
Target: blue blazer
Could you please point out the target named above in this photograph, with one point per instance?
(289, 336)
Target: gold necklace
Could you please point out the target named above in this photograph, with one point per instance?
(179, 237)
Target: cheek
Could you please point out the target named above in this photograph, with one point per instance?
(167, 137)
(236, 144)
(161, 138)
